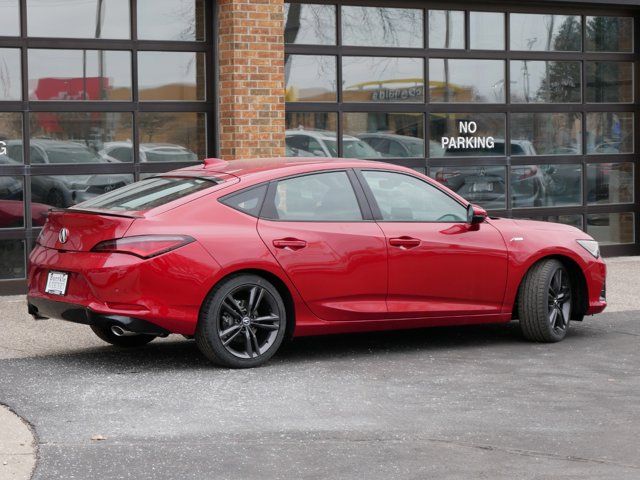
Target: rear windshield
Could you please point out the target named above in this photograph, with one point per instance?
(149, 193)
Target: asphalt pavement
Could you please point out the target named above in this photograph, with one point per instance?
(446, 403)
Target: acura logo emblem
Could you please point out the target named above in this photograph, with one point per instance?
(63, 235)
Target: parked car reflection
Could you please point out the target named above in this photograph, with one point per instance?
(394, 146)
(546, 185)
(45, 151)
(64, 190)
(322, 143)
(149, 152)
(12, 214)
(484, 186)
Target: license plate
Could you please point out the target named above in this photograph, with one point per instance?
(57, 283)
(482, 187)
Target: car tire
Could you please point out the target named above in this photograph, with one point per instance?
(242, 322)
(55, 198)
(128, 341)
(544, 302)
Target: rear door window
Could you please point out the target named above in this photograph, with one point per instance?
(319, 197)
(149, 193)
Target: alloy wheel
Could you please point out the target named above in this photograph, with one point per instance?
(248, 321)
(559, 300)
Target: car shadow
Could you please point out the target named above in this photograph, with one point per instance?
(176, 353)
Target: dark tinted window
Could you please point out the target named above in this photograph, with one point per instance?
(403, 198)
(149, 193)
(248, 201)
(321, 197)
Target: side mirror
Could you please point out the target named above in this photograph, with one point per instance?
(475, 214)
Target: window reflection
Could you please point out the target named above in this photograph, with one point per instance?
(74, 19)
(382, 27)
(10, 15)
(178, 76)
(63, 191)
(311, 134)
(609, 183)
(310, 78)
(611, 228)
(545, 82)
(444, 127)
(546, 185)
(486, 30)
(609, 82)
(10, 74)
(572, 220)
(72, 137)
(12, 259)
(539, 32)
(391, 135)
(466, 81)
(609, 34)
(11, 199)
(382, 79)
(175, 20)
(609, 132)
(484, 186)
(310, 24)
(446, 29)
(11, 130)
(546, 134)
(79, 75)
(170, 137)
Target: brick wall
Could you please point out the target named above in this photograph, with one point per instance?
(251, 81)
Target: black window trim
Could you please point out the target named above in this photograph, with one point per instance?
(373, 203)
(267, 212)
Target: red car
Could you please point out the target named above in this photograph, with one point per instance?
(246, 254)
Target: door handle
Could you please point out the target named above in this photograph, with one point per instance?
(289, 243)
(404, 242)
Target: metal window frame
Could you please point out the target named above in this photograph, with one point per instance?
(25, 107)
(567, 8)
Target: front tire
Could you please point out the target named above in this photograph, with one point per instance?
(544, 302)
(242, 323)
(128, 341)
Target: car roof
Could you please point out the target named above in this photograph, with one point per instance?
(257, 170)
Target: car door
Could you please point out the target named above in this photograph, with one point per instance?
(439, 265)
(322, 234)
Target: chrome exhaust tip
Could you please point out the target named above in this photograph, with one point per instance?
(118, 331)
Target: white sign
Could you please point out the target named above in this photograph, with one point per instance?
(471, 143)
(3, 148)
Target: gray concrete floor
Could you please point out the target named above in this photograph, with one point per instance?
(475, 402)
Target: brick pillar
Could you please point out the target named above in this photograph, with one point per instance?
(251, 78)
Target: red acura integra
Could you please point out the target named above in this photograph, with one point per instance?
(246, 254)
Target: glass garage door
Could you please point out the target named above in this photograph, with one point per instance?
(527, 112)
(95, 94)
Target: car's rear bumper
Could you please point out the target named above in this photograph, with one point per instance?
(41, 308)
(166, 290)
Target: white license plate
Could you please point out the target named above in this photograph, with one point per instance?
(57, 283)
(482, 187)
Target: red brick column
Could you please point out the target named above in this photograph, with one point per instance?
(251, 78)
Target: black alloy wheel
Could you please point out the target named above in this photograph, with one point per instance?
(243, 322)
(545, 302)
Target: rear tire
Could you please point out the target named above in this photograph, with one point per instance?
(544, 302)
(242, 322)
(129, 341)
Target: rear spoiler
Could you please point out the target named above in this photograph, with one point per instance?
(109, 213)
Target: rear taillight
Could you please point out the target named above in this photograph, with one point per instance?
(143, 246)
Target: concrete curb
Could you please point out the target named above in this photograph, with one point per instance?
(17, 447)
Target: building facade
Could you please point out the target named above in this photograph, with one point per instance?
(528, 109)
